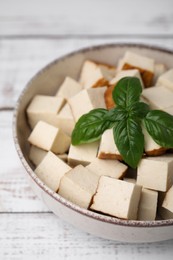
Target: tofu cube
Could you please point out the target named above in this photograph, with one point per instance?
(108, 98)
(158, 97)
(151, 148)
(166, 79)
(66, 120)
(166, 210)
(148, 205)
(108, 148)
(87, 100)
(48, 137)
(126, 73)
(144, 64)
(168, 110)
(78, 186)
(82, 154)
(69, 88)
(95, 75)
(111, 168)
(117, 198)
(44, 108)
(51, 170)
(159, 69)
(36, 155)
(156, 173)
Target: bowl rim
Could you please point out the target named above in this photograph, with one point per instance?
(44, 187)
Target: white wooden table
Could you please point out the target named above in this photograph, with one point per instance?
(33, 33)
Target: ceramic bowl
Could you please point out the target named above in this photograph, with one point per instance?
(46, 82)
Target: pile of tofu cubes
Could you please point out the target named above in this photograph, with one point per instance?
(93, 175)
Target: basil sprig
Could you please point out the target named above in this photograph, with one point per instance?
(126, 119)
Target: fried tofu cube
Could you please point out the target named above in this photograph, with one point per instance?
(51, 170)
(158, 97)
(87, 100)
(78, 186)
(117, 198)
(148, 205)
(95, 75)
(108, 148)
(82, 154)
(49, 138)
(44, 108)
(69, 88)
(126, 73)
(66, 120)
(151, 148)
(111, 168)
(156, 173)
(166, 79)
(159, 69)
(144, 64)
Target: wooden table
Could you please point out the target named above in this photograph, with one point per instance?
(33, 33)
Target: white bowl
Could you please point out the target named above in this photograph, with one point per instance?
(47, 82)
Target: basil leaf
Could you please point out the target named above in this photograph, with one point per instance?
(127, 91)
(129, 140)
(159, 125)
(90, 126)
(117, 114)
(138, 110)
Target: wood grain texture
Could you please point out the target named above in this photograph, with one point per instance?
(44, 236)
(20, 59)
(75, 17)
(15, 192)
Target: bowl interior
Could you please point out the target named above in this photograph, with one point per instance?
(48, 80)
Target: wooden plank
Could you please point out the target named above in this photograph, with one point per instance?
(44, 236)
(89, 17)
(21, 59)
(15, 192)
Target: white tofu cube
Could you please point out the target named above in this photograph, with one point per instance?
(166, 79)
(44, 108)
(158, 97)
(159, 69)
(156, 173)
(126, 73)
(151, 148)
(82, 154)
(168, 110)
(51, 170)
(148, 205)
(48, 137)
(166, 211)
(87, 100)
(108, 148)
(78, 186)
(66, 120)
(144, 64)
(168, 200)
(117, 198)
(95, 75)
(111, 168)
(69, 88)
(36, 155)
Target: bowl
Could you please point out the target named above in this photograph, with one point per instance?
(46, 81)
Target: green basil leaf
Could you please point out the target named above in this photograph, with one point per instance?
(117, 114)
(138, 110)
(127, 91)
(129, 140)
(90, 126)
(159, 125)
